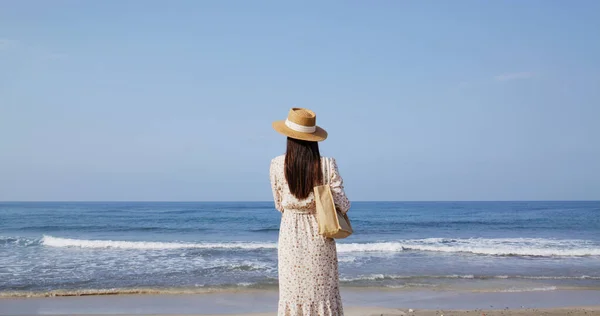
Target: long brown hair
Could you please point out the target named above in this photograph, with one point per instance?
(302, 167)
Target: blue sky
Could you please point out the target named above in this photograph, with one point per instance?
(423, 100)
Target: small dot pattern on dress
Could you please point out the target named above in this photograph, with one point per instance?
(307, 261)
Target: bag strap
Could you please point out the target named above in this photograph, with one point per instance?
(326, 169)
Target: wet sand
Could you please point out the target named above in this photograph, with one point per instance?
(375, 311)
(378, 311)
(357, 302)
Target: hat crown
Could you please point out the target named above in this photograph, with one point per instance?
(302, 116)
(301, 123)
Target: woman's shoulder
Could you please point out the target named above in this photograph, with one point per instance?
(278, 158)
(329, 158)
(332, 162)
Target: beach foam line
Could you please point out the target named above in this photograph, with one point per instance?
(129, 291)
(377, 277)
(149, 245)
(530, 289)
(380, 277)
(238, 287)
(265, 284)
(498, 247)
(5, 240)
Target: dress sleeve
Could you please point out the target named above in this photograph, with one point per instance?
(337, 188)
(275, 186)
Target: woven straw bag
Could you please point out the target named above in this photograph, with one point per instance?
(332, 222)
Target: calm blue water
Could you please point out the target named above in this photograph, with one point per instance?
(194, 247)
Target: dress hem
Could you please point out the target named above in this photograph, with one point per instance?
(312, 308)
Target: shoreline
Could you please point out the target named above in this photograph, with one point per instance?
(142, 291)
(356, 302)
(377, 311)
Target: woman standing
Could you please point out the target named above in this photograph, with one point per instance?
(308, 264)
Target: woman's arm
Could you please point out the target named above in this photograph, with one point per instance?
(275, 186)
(337, 188)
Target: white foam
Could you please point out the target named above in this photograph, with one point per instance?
(456, 276)
(499, 247)
(582, 277)
(395, 286)
(371, 277)
(247, 265)
(17, 241)
(370, 247)
(376, 277)
(245, 284)
(84, 243)
(346, 259)
(532, 289)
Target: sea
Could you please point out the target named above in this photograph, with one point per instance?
(74, 248)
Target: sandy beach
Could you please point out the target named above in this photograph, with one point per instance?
(375, 311)
(357, 302)
(379, 311)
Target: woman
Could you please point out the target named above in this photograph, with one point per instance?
(308, 265)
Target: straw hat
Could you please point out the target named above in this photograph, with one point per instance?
(301, 124)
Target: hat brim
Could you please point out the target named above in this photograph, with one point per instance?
(318, 135)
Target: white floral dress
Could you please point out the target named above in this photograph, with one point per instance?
(308, 264)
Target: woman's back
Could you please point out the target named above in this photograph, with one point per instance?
(287, 201)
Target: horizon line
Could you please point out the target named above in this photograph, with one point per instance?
(269, 201)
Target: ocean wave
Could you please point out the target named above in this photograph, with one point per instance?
(410, 285)
(149, 245)
(108, 228)
(223, 265)
(266, 283)
(382, 277)
(346, 259)
(582, 277)
(199, 289)
(7, 240)
(203, 289)
(530, 289)
(498, 247)
(25, 242)
(265, 230)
